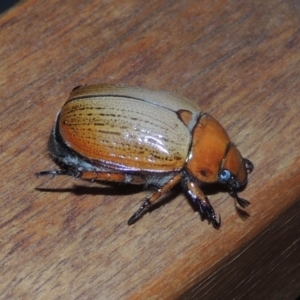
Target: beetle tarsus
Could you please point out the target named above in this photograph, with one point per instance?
(139, 212)
(53, 173)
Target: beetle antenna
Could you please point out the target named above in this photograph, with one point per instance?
(242, 202)
(139, 212)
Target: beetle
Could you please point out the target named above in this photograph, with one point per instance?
(125, 134)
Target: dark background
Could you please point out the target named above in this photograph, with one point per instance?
(6, 4)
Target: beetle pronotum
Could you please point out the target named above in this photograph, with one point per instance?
(117, 133)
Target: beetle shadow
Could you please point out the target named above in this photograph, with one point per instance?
(113, 189)
(117, 189)
(243, 214)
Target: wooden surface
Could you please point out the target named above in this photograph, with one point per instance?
(63, 238)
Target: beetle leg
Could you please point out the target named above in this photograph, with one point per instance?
(90, 175)
(139, 212)
(154, 198)
(112, 177)
(201, 200)
(53, 173)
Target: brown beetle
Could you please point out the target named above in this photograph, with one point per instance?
(126, 134)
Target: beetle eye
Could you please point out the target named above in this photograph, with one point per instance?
(225, 175)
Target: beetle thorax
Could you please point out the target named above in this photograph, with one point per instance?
(208, 150)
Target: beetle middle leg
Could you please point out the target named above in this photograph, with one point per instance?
(201, 200)
(154, 198)
(112, 177)
(95, 176)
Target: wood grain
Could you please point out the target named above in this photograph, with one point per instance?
(63, 238)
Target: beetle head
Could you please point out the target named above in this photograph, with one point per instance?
(215, 159)
(234, 173)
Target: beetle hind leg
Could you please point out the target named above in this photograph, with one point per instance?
(154, 198)
(53, 173)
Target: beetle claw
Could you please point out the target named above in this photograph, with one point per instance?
(139, 212)
(211, 216)
(209, 212)
(216, 224)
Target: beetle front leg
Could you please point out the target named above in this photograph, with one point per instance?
(154, 198)
(201, 200)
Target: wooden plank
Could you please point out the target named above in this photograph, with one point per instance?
(267, 267)
(64, 238)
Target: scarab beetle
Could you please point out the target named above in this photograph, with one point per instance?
(124, 134)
